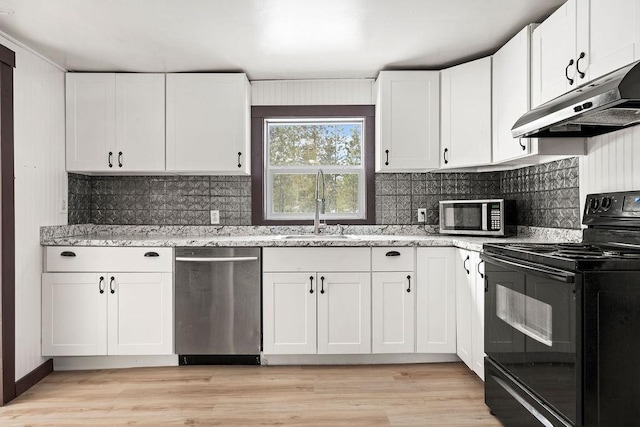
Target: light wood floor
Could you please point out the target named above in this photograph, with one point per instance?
(446, 394)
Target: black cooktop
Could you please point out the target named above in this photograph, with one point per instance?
(571, 256)
(611, 240)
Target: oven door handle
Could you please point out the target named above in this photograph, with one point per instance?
(548, 272)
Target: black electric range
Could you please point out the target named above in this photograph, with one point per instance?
(562, 323)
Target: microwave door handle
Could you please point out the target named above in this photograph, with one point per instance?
(549, 273)
(484, 217)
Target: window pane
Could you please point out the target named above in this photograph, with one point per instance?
(295, 194)
(307, 143)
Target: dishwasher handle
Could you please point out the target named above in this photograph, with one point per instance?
(217, 259)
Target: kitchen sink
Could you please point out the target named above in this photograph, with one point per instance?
(317, 237)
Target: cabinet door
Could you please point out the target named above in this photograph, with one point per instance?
(608, 34)
(553, 70)
(208, 118)
(140, 313)
(477, 324)
(407, 121)
(344, 313)
(139, 122)
(436, 300)
(393, 312)
(466, 114)
(511, 88)
(74, 314)
(289, 313)
(90, 119)
(465, 289)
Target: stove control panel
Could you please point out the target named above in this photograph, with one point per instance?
(605, 208)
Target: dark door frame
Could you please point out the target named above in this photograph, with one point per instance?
(7, 230)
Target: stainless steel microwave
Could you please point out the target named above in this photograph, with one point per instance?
(491, 217)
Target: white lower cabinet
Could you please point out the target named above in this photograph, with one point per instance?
(94, 313)
(393, 312)
(436, 300)
(310, 310)
(316, 313)
(470, 310)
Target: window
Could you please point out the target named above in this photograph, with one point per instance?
(295, 145)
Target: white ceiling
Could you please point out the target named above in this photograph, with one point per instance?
(267, 39)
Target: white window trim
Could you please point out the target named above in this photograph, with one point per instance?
(270, 171)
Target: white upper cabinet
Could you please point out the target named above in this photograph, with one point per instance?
(115, 122)
(407, 121)
(581, 41)
(510, 99)
(609, 34)
(208, 123)
(466, 114)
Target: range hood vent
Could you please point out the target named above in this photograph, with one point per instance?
(607, 104)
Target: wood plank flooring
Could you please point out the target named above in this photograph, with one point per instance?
(445, 394)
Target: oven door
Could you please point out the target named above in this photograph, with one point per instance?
(532, 329)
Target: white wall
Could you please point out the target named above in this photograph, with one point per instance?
(612, 163)
(40, 186)
(312, 92)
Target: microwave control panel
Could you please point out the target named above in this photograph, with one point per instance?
(494, 216)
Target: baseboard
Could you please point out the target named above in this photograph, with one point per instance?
(74, 363)
(356, 359)
(33, 377)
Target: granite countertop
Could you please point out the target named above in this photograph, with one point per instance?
(298, 236)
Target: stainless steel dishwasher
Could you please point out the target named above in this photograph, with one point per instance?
(217, 305)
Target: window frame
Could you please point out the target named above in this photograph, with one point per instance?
(259, 114)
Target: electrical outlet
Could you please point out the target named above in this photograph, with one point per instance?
(215, 217)
(63, 205)
(422, 215)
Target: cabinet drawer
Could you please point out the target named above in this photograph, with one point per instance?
(80, 259)
(392, 259)
(316, 259)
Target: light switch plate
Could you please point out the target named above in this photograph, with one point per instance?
(215, 217)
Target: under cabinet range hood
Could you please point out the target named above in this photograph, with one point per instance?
(607, 104)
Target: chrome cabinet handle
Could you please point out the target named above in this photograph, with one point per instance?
(311, 281)
(478, 268)
(111, 287)
(109, 159)
(120, 159)
(464, 265)
(566, 72)
(101, 285)
(409, 280)
(322, 283)
(386, 163)
(580, 73)
(239, 163)
(444, 156)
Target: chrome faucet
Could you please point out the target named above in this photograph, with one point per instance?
(320, 202)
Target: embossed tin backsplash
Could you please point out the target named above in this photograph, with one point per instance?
(547, 195)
